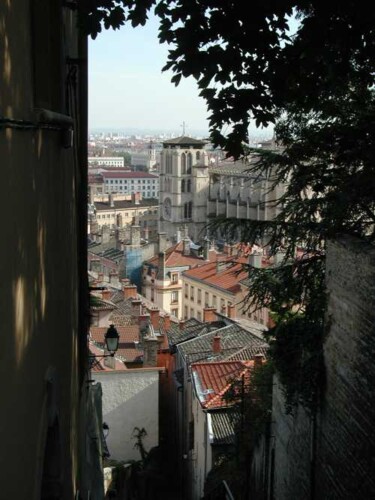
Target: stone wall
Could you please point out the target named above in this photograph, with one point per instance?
(346, 439)
(344, 447)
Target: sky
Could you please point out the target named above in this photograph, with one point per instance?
(127, 89)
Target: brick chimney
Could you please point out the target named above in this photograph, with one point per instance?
(167, 322)
(106, 294)
(232, 311)
(258, 360)
(154, 315)
(216, 344)
(209, 314)
(130, 291)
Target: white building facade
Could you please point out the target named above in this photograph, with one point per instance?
(131, 182)
(106, 161)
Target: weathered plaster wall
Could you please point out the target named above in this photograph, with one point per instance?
(130, 399)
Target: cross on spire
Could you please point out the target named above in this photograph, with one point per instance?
(183, 125)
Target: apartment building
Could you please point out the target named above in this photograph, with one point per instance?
(131, 182)
(106, 161)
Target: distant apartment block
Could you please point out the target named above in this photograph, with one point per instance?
(131, 182)
(106, 161)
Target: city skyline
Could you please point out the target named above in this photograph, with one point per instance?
(129, 92)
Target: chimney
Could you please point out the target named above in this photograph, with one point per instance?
(143, 321)
(258, 360)
(136, 308)
(181, 325)
(136, 198)
(130, 291)
(255, 259)
(167, 322)
(232, 311)
(216, 344)
(125, 281)
(154, 315)
(209, 314)
(162, 240)
(106, 234)
(150, 347)
(186, 243)
(161, 267)
(178, 235)
(111, 201)
(95, 265)
(135, 235)
(113, 278)
(119, 221)
(106, 294)
(206, 249)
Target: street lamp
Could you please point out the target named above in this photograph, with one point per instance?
(111, 341)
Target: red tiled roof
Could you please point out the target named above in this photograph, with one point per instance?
(129, 333)
(174, 257)
(212, 380)
(227, 277)
(128, 175)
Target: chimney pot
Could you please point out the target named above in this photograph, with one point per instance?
(167, 322)
(106, 294)
(216, 344)
(130, 291)
(231, 311)
(209, 314)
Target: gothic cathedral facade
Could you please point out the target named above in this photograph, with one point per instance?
(184, 184)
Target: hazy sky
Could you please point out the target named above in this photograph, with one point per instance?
(127, 88)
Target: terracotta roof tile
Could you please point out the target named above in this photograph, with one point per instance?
(212, 381)
(226, 275)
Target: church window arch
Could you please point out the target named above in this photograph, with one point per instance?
(198, 155)
(189, 163)
(188, 186)
(183, 186)
(183, 163)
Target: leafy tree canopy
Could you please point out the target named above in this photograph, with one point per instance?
(248, 65)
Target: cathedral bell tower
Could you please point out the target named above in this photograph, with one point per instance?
(183, 187)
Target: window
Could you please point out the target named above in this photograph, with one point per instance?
(174, 312)
(189, 163)
(198, 155)
(214, 301)
(199, 315)
(186, 312)
(192, 313)
(192, 293)
(186, 291)
(188, 186)
(183, 163)
(199, 298)
(183, 186)
(174, 278)
(206, 299)
(188, 210)
(174, 297)
(222, 305)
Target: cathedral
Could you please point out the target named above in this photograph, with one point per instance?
(184, 184)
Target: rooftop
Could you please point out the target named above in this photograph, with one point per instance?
(128, 175)
(184, 141)
(212, 381)
(174, 257)
(118, 204)
(225, 275)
